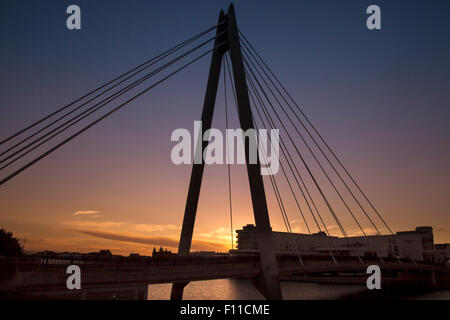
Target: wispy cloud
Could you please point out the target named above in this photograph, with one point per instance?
(144, 236)
(156, 227)
(219, 233)
(93, 224)
(153, 241)
(86, 213)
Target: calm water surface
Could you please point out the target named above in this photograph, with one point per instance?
(239, 289)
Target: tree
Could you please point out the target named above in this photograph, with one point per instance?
(9, 246)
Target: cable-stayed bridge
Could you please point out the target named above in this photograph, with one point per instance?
(317, 180)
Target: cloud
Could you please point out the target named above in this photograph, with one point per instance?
(94, 224)
(86, 213)
(220, 233)
(153, 241)
(150, 235)
(140, 228)
(156, 227)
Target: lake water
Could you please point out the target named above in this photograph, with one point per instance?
(241, 289)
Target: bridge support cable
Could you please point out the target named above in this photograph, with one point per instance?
(279, 198)
(143, 65)
(264, 125)
(253, 76)
(252, 65)
(282, 168)
(271, 178)
(148, 65)
(227, 153)
(287, 156)
(43, 155)
(74, 120)
(272, 181)
(248, 53)
(251, 49)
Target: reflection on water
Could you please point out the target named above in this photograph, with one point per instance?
(240, 289)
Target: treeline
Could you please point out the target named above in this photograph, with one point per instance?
(9, 246)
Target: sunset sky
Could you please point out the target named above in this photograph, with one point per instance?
(380, 98)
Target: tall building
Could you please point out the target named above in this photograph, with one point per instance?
(417, 245)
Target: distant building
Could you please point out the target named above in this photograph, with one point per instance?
(443, 251)
(105, 252)
(417, 245)
(47, 253)
(136, 257)
(101, 255)
(161, 253)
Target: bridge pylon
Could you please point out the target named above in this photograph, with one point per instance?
(268, 282)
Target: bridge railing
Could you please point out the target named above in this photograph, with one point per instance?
(156, 261)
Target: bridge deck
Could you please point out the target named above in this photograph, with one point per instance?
(50, 279)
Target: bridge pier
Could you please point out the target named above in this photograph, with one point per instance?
(433, 279)
(177, 290)
(268, 283)
(264, 237)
